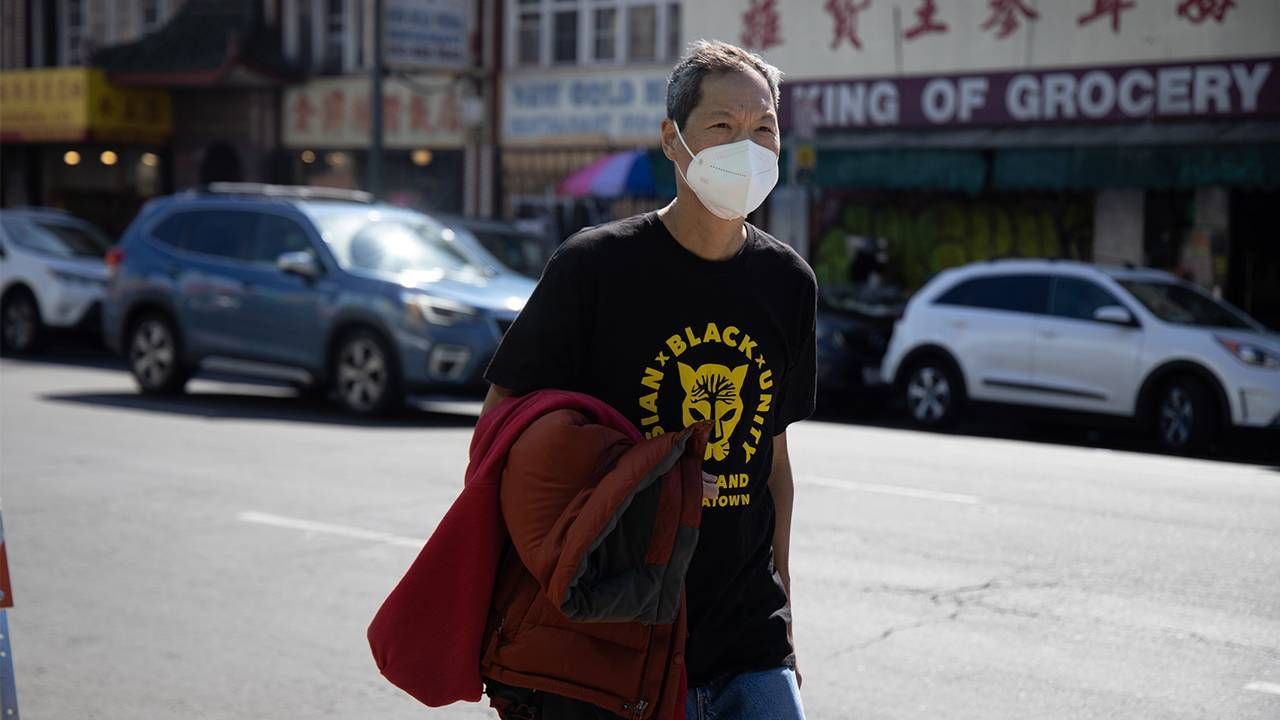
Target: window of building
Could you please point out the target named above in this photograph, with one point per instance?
(642, 33)
(73, 23)
(529, 41)
(335, 19)
(593, 32)
(564, 46)
(673, 31)
(605, 34)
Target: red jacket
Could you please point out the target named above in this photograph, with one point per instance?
(587, 603)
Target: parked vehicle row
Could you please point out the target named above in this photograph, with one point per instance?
(342, 296)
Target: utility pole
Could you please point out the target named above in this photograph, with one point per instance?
(374, 180)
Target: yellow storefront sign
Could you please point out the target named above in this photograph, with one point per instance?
(79, 104)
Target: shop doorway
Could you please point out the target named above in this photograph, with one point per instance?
(1253, 265)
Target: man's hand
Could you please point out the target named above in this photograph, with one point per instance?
(710, 486)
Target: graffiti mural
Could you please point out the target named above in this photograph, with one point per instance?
(912, 238)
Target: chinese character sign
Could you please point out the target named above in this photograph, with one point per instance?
(760, 25)
(926, 21)
(335, 113)
(844, 20)
(1007, 16)
(1107, 9)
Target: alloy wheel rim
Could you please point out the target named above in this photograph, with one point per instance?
(928, 395)
(19, 324)
(362, 374)
(152, 353)
(1177, 415)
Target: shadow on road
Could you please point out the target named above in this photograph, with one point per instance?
(1249, 448)
(284, 407)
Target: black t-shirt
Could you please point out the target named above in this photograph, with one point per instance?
(625, 313)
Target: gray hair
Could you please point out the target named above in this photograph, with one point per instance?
(684, 87)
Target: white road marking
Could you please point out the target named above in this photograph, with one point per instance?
(890, 490)
(1264, 687)
(330, 529)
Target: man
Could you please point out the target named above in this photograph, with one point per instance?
(690, 314)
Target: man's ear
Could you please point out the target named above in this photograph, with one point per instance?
(669, 139)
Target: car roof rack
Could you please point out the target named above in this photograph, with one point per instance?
(295, 192)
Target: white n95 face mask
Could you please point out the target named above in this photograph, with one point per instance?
(731, 180)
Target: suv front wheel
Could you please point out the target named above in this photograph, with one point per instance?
(933, 393)
(155, 358)
(1183, 416)
(364, 374)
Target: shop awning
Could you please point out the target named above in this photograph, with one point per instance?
(1062, 158)
(1240, 166)
(77, 104)
(208, 42)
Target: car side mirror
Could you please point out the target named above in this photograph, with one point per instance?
(299, 263)
(1114, 315)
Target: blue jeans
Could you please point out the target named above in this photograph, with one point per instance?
(767, 695)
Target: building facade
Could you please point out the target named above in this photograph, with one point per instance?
(936, 133)
(433, 99)
(581, 81)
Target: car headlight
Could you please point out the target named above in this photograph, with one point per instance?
(1251, 354)
(78, 280)
(439, 311)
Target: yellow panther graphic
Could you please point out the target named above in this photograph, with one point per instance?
(714, 392)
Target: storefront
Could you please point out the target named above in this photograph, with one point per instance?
(928, 135)
(326, 138)
(73, 140)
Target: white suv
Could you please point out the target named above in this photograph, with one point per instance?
(52, 275)
(1133, 343)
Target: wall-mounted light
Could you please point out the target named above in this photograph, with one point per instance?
(336, 159)
(150, 159)
(109, 157)
(71, 157)
(421, 157)
(308, 157)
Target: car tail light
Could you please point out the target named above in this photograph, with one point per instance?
(115, 256)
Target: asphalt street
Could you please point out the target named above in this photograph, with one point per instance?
(220, 555)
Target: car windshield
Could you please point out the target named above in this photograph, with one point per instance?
(393, 244)
(59, 238)
(1185, 305)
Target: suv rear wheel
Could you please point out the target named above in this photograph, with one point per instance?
(1182, 416)
(933, 393)
(155, 358)
(365, 375)
(21, 329)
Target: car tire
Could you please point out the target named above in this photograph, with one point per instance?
(154, 354)
(1182, 416)
(22, 331)
(366, 380)
(933, 392)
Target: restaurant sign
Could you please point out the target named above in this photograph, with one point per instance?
(79, 104)
(592, 107)
(1234, 89)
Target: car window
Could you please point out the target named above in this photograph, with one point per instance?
(58, 238)
(369, 241)
(1185, 305)
(277, 235)
(1079, 299)
(1013, 293)
(227, 234)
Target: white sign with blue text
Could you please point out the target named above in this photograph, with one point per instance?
(592, 108)
(426, 34)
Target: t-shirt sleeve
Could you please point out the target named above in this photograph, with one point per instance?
(544, 348)
(800, 388)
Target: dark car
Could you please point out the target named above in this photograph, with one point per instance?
(520, 250)
(853, 328)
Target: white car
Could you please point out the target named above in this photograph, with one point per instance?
(1133, 343)
(52, 275)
